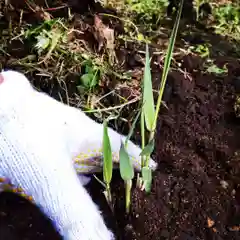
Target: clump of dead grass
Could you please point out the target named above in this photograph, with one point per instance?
(59, 50)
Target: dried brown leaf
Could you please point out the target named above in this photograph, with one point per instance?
(105, 36)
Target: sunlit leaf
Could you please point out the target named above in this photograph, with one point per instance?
(167, 62)
(146, 172)
(126, 167)
(148, 101)
(107, 155)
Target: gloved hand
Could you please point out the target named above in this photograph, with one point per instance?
(42, 144)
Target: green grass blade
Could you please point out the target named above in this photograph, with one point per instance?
(101, 182)
(146, 171)
(107, 155)
(148, 101)
(167, 62)
(126, 167)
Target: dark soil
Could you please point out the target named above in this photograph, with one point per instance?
(196, 190)
(197, 149)
(20, 220)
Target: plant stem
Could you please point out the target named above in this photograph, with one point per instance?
(167, 64)
(151, 136)
(109, 196)
(128, 188)
(142, 126)
(143, 137)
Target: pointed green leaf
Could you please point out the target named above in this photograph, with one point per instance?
(147, 175)
(148, 101)
(167, 62)
(107, 155)
(126, 167)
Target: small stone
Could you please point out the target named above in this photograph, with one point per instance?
(128, 227)
(224, 184)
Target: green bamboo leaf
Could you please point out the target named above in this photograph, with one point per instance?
(148, 101)
(148, 149)
(147, 178)
(107, 155)
(167, 62)
(126, 168)
(147, 174)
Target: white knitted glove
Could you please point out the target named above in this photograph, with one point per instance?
(42, 144)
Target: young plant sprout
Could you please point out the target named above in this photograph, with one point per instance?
(149, 114)
(126, 167)
(127, 174)
(107, 164)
